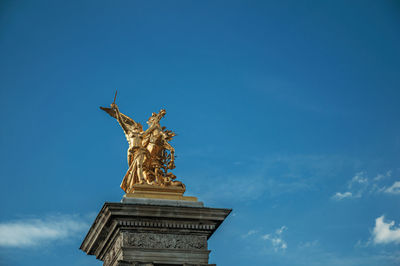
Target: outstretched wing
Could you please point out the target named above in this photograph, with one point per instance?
(126, 119)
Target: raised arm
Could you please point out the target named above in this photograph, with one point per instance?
(119, 118)
(125, 121)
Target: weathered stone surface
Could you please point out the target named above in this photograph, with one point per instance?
(164, 241)
(148, 234)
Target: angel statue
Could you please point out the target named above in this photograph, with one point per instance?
(150, 156)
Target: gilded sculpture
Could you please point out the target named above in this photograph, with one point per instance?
(150, 156)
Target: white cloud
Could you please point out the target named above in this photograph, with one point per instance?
(249, 233)
(385, 233)
(358, 179)
(271, 177)
(356, 186)
(340, 196)
(280, 230)
(276, 239)
(360, 186)
(394, 189)
(379, 177)
(33, 232)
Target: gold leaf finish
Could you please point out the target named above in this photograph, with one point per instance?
(150, 157)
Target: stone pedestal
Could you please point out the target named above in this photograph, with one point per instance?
(150, 232)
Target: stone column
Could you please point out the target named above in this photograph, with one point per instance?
(150, 232)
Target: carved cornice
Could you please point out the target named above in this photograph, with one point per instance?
(166, 224)
(113, 217)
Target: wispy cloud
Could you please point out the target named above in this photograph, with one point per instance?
(269, 177)
(381, 176)
(358, 179)
(355, 187)
(340, 196)
(33, 232)
(249, 233)
(360, 185)
(393, 189)
(385, 233)
(276, 239)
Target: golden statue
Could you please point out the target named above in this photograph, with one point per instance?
(150, 156)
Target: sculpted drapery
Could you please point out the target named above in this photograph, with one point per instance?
(150, 155)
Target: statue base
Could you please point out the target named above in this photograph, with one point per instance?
(158, 192)
(164, 202)
(153, 235)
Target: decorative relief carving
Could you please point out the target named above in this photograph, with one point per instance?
(113, 251)
(169, 241)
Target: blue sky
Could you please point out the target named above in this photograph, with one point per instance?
(286, 111)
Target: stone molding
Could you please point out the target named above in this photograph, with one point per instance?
(162, 224)
(140, 234)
